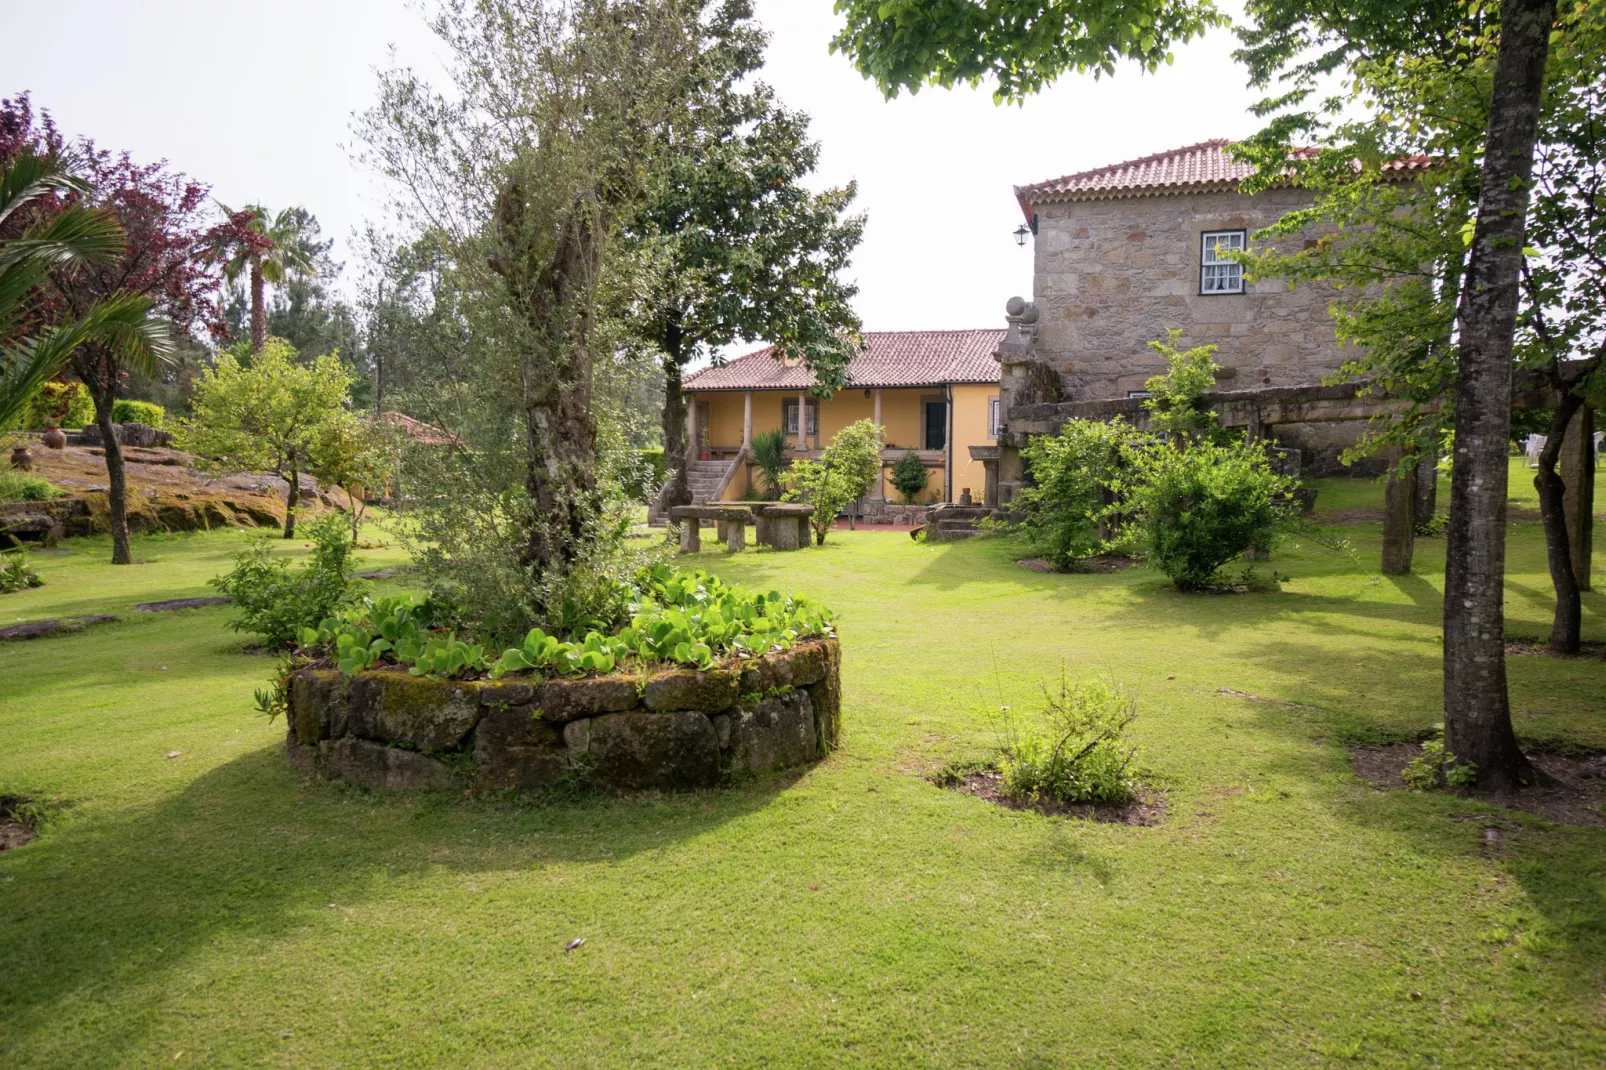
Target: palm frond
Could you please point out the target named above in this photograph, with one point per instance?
(30, 176)
(122, 322)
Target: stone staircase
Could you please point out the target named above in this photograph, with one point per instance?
(703, 478)
(950, 523)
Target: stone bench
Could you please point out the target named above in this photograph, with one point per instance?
(782, 525)
(732, 521)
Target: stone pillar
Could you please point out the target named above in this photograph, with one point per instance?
(691, 429)
(803, 420)
(989, 494)
(1577, 470)
(691, 539)
(1399, 519)
(735, 536)
(747, 419)
(877, 395)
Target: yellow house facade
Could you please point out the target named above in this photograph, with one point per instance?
(933, 392)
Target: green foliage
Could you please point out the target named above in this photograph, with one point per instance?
(268, 414)
(1174, 405)
(1193, 509)
(354, 455)
(1020, 45)
(689, 618)
(768, 451)
(845, 472)
(1075, 750)
(1073, 476)
(59, 404)
(646, 475)
(127, 411)
(21, 487)
(17, 572)
(1435, 768)
(278, 602)
(909, 476)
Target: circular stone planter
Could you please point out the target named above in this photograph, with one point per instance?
(673, 731)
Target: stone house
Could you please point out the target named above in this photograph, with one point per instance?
(1123, 253)
(934, 392)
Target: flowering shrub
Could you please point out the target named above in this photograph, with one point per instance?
(686, 618)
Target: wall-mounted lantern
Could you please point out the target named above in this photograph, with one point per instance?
(1024, 229)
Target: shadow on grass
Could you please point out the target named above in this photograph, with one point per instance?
(252, 851)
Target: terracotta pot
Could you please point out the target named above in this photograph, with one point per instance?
(22, 458)
(55, 438)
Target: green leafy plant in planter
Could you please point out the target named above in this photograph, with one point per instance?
(909, 476)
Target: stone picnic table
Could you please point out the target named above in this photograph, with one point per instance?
(780, 525)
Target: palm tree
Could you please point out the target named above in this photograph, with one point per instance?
(272, 249)
(32, 350)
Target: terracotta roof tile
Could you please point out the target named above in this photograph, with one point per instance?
(1192, 168)
(890, 359)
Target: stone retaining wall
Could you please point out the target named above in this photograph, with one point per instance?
(676, 730)
(895, 513)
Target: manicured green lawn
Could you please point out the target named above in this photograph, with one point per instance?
(217, 909)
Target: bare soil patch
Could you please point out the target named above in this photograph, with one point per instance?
(1574, 793)
(1534, 648)
(987, 784)
(1098, 563)
(15, 829)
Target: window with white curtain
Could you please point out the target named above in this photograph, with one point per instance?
(1217, 272)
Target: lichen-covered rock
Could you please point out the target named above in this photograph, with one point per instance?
(376, 766)
(577, 738)
(513, 726)
(668, 751)
(826, 698)
(506, 694)
(802, 665)
(317, 706)
(777, 733)
(303, 759)
(514, 748)
(522, 768)
(428, 715)
(709, 691)
(565, 700)
(722, 729)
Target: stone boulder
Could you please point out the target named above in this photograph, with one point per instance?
(707, 690)
(378, 767)
(666, 751)
(416, 712)
(777, 733)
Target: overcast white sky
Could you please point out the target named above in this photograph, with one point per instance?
(255, 97)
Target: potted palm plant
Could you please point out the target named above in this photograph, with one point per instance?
(768, 451)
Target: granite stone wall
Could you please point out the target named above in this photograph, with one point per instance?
(677, 730)
(1113, 275)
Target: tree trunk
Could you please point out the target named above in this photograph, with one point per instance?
(1427, 490)
(293, 497)
(116, 481)
(561, 478)
(259, 311)
(1477, 710)
(1567, 626)
(675, 445)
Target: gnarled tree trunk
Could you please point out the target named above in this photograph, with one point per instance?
(293, 495)
(676, 459)
(1477, 711)
(1566, 629)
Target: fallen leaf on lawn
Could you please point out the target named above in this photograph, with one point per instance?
(572, 944)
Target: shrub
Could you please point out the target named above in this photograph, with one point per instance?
(1174, 403)
(768, 451)
(645, 475)
(59, 405)
(1073, 475)
(844, 473)
(17, 572)
(127, 411)
(909, 476)
(1193, 509)
(21, 487)
(1436, 768)
(278, 602)
(1075, 751)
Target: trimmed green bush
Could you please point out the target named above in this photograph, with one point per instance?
(59, 405)
(128, 411)
(1073, 475)
(21, 487)
(909, 476)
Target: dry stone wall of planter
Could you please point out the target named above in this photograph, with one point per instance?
(672, 731)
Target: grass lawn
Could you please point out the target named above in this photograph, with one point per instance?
(217, 909)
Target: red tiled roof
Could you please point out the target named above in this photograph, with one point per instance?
(1192, 168)
(420, 432)
(890, 359)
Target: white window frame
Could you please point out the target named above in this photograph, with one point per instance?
(992, 417)
(789, 416)
(1218, 274)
